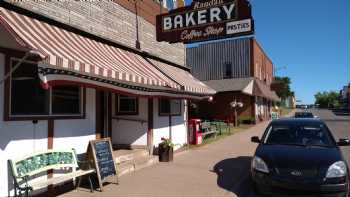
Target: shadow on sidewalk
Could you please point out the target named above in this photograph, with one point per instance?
(234, 176)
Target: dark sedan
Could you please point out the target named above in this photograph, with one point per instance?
(304, 115)
(299, 157)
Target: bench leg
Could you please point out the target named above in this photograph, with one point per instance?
(91, 186)
(79, 182)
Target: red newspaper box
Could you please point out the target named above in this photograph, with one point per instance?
(195, 131)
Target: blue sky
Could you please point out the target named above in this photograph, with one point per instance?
(311, 38)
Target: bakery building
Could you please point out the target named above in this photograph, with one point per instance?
(239, 70)
(71, 72)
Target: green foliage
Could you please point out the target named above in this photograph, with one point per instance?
(327, 99)
(283, 90)
(166, 143)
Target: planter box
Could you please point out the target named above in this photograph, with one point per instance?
(165, 154)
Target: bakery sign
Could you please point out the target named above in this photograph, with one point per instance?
(206, 20)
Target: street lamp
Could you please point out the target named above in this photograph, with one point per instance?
(234, 104)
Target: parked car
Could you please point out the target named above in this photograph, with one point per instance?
(304, 115)
(299, 157)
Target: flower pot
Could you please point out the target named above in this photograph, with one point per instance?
(165, 153)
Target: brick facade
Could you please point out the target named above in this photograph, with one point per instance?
(114, 20)
(220, 108)
(262, 66)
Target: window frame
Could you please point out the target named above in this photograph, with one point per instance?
(8, 116)
(116, 102)
(169, 114)
(227, 65)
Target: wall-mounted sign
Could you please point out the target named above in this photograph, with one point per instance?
(206, 20)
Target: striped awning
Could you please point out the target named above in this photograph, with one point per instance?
(69, 56)
(183, 78)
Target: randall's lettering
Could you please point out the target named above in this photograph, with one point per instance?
(199, 5)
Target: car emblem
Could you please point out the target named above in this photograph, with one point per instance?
(296, 173)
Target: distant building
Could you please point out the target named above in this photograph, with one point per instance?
(239, 70)
(289, 102)
(344, 99)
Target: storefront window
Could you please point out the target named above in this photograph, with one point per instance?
(28, 98)
(169, 107)
(227, 70)
(66, 100)
(126, 105)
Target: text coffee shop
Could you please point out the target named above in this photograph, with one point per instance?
(62, 87)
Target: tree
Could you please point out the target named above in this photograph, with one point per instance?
(282, 87)
(327, 99)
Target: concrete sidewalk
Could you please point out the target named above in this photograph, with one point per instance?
(217, 169)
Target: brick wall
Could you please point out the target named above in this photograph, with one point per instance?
(261, 63)
(111, 20)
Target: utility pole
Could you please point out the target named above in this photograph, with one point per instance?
(160, 6)
(137, 43)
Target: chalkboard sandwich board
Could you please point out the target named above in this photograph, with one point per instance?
(102, 154)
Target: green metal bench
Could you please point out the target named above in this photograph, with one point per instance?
(36, 165)
(208, 130)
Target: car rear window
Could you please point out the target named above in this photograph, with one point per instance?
(304, 115)
(298, 134)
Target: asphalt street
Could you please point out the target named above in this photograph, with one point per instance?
(339, 124)
(216, 170)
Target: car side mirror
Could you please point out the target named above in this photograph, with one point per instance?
(255, 139)
(343, 142)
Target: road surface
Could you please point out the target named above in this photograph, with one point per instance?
(217, 170)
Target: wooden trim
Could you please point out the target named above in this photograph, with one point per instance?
(18, 54)
(252, 63)
(170, 129)
(118, 118)
(150, 125)
(98, 123)
(29, 118)
(6, 89)
(50, 133)
(109, 114)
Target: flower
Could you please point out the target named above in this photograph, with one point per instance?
(166, 142)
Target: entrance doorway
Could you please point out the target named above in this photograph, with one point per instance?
(103, 114)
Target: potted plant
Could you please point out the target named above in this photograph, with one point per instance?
(166, 150)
